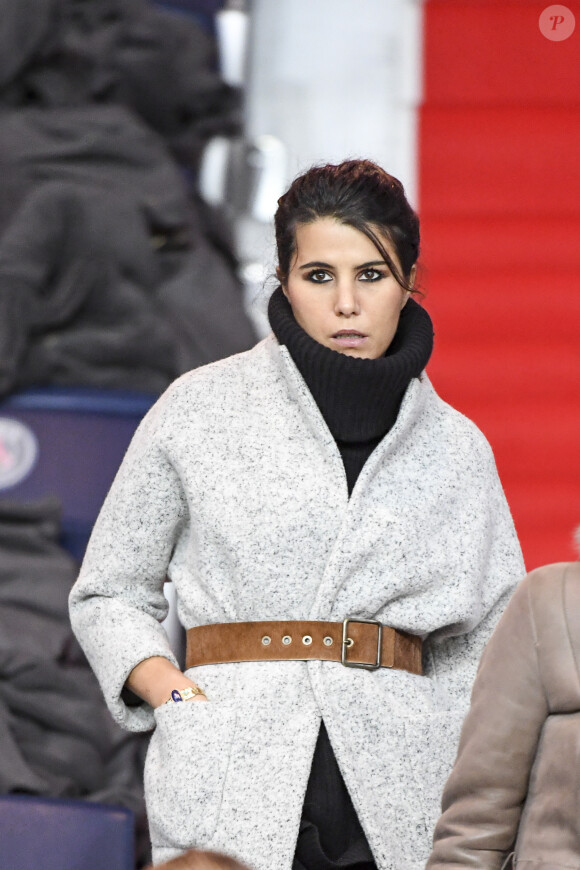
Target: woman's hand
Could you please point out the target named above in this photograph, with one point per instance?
(155, 678)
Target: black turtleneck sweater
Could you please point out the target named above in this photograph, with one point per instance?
(359, 400)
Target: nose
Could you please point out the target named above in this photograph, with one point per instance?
(346, 302)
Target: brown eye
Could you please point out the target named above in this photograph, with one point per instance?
(319, 276)
(371, 275)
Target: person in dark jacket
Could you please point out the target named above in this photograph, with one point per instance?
(56, 737)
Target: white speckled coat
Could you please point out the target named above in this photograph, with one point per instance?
(234, 487)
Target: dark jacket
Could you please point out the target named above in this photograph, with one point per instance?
(515, 783)
(62, 53)
(56, 736)
(111, 274)
(107, 277)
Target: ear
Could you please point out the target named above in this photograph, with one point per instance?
(282, 281)
(407, 293)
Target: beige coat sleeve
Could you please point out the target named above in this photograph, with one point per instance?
(484, 795)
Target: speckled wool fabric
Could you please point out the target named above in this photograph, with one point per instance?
(234, 487)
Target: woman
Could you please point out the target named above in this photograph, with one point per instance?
(513, 792)
(316, 478)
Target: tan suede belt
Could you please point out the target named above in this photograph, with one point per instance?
(356, 643)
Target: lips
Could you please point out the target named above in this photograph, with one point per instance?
(349, 338)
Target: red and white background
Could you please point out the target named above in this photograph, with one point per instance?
(477, 110)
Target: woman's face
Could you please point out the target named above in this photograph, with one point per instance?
(341, 291)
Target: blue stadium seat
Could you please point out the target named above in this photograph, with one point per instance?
(67, 442)
(202, 10)
(51, 834)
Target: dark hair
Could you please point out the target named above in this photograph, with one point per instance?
(196, 859)
(357, 193)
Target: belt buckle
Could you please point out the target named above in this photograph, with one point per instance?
(345, 644)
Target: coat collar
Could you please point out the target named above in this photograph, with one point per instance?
(417, 395)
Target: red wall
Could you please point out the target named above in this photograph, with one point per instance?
(500, 210)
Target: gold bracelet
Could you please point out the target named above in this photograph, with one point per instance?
(184, 694)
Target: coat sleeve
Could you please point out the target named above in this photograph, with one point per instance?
(118, 602)
(484, 795)
(491, 565)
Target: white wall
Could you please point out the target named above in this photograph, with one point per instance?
(337, 78)
(332, 79)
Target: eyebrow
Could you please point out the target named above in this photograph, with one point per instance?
(320, 265)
